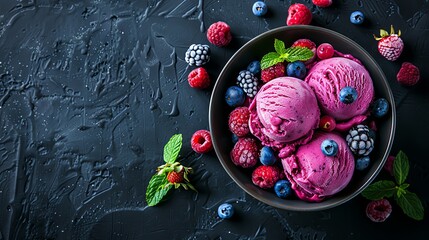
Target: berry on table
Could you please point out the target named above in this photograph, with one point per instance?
(327, 123)
(296, 69)
(360, 141)
(378, 210)
(357, 17)
(325, 51)
(238, 121)
(199, 78)
(201, 141)
(267, 156)
(379, 108)
(254, 67)
(298, 14)
(283, 189)
(408, 74)
(322, 3)
(197, 55)
(329, 147)
(275, 71)
(388, 166)
(245, 152)
(265, 176)
(225, 211)
(348, 95)
(235, 96)
(248, 82)
(259, 8)
(390, 45)
(362, 163)
(175, 177)
(219, 34)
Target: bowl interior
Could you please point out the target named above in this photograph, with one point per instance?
(255, 49)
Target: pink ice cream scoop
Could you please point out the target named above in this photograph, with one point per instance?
(284, 110)
(314, 175)
(329, 76)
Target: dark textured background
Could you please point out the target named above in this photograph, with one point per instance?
(90, 91)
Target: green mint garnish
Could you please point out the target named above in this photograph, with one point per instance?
(408, 201)
(282, 54)
(157, 189)
(172, 148)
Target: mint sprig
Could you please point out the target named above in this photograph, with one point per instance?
(282, 54)
(408, 201)
(159, 185)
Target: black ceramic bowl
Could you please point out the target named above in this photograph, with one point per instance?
(255, 49)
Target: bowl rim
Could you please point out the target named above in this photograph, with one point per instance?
(311, 206)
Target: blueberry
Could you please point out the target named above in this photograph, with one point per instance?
(329, 147)
(235, 96)
(379, 107)
(296, 69)
(283, 188)
(348, 95)
(362, 163)
(225, 211)
(267, 156)
(259, 8)
(357, 17)
(254, 67)
(234, 138)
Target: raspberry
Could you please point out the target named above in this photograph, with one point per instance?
(201, 141)
(303, 42)
(298, 14)
(245, 152)
(265, 176)
(388, 166)
(272, 72)
(322, 3)
(239, 121)
(379, 210)
(175, 177)
(408, 75)
(199, 78)
(219, 34)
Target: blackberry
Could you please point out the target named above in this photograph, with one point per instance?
(248, 82)
(197, 54)
(360, 140)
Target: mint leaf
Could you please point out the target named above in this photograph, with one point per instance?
(270, 59)
(401, 167)
(157, 189)
(379, 190)
(279, 46)
(297, 54)
(411, 205)
(172, 148)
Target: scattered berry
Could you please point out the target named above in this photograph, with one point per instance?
(267, 156)
(327, 123)
(248, 82)
(175, 177)
(388, 166)
(390, 45)
(360, 141)
(275, 71)
(322, 3)
(348, 95)
(199, 78)
(225, 211)
(197, 55)
(408, 75)
(303, 42)
(378, 210)
(325, 51)
(201, 141)
(254, 67)
(259, 8)
(239, 121)
(235, 96)
(357, 17)
(245, 152)
(265, 176)
(296, 69)
(298, 14)
(379, 107)
(219, 34)
(329, 147)
(283, 189)
(362, 163)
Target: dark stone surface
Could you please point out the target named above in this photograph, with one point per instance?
(90, 91)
